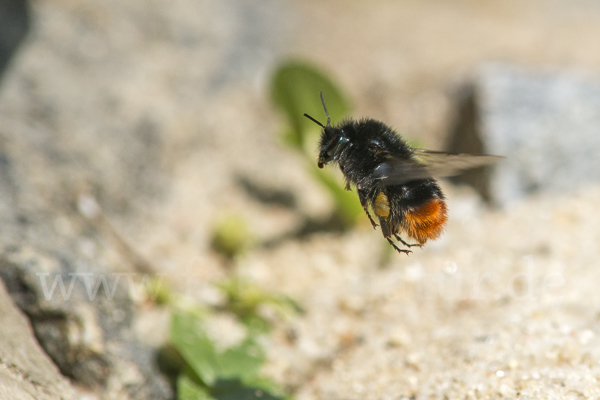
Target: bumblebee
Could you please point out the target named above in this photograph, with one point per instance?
(393, 179)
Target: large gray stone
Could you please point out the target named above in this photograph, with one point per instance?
(88, 112)
(45, 165)
(546, 124)
(87, 334)
(26, 372)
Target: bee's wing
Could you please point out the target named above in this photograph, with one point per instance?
(428, 164)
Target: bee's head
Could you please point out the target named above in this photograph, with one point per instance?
(331, 144)
(331, 138)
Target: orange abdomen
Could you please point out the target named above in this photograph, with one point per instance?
(426, 221)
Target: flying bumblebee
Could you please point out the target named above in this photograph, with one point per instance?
(395, 180)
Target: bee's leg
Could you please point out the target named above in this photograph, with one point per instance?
(363, 201)
(398, 238)
(348, 188)
(373, 223)
(386, 229)
(399, 250)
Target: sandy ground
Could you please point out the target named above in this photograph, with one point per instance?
(505, 305)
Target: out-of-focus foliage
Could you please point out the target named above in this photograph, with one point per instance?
(231, 236)
(208, 373)
(245, 300)
(295, 90)
(192, 359)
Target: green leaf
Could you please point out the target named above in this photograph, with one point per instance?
(235, 389)
(295, 90)
(187, 389)
(196, 348)
(268, 386)
(242, 361)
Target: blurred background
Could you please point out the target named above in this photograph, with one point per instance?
(160, 141)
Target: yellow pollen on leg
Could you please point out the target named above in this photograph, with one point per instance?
(381, 207)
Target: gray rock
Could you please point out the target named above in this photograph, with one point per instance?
(46, 242)
(87, 116)
(26, 372)
(44, 237)
(546, 124)
(82, 324)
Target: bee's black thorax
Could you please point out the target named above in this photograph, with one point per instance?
(358, 147)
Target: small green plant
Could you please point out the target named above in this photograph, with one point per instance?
(295, 90)
(244, 300)
(199, 369)
(231, 236)
(210, 374)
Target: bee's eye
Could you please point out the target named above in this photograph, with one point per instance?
(336, 146)
(375, 145)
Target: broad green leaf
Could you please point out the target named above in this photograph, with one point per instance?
(242, 361)
(295, 90)
(235, 389)
(268, 386)
(196, 348)
(187, 389)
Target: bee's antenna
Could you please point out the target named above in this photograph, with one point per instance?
(314, 120)
(326, 112)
